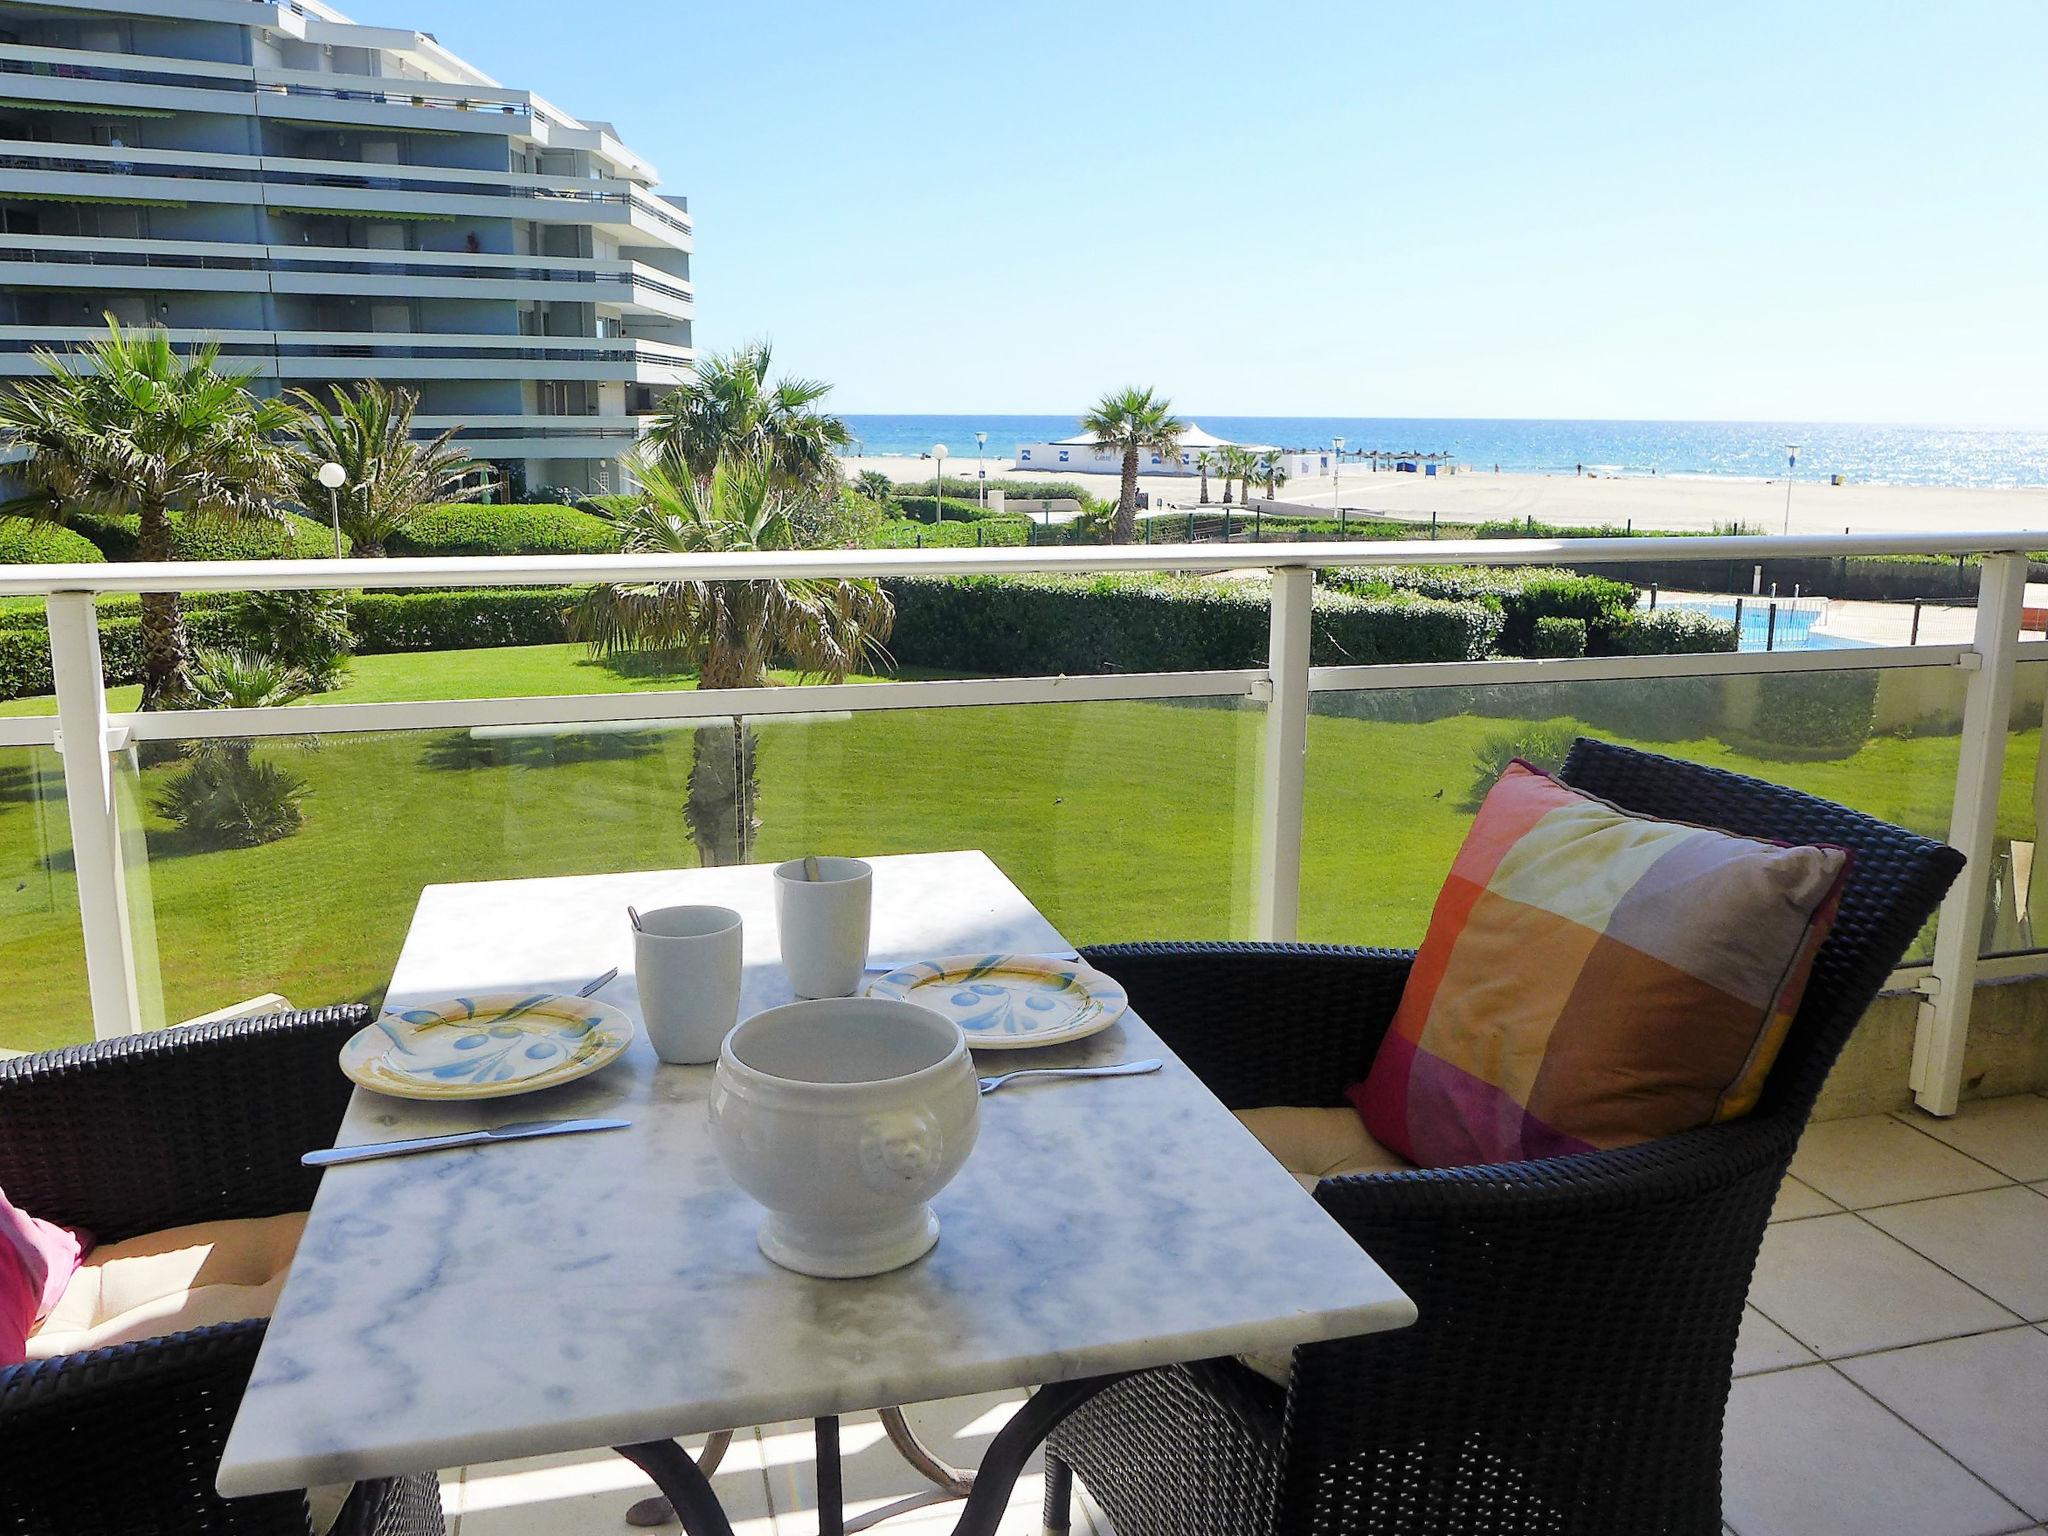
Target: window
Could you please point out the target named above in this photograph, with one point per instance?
(1063, 455)
(1026, 456)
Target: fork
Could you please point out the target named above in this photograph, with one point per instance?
(1121, 1069)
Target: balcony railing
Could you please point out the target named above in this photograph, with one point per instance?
(1239, 799)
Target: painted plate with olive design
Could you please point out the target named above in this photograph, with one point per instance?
(489, 1046)
(1009, 1002)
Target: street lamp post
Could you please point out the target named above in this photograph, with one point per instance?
(980, 473)
(1791, 463)
(334, 477)
(1337, 475)
(939, 452)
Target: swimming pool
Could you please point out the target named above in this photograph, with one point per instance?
(1794, 631)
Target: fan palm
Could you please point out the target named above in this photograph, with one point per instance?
(731, 630)
(1133, 421)
(127, 425)
(391, 476)
(1273, 471)
(876, 486)
(1205, 461)
(731, 408)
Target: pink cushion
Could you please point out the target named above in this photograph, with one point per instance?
(37, 1260)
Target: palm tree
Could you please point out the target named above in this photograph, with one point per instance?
(1205, 461)
(391, 476)
(1239, 464)
(875, 485)
(1133, 421)
(1274, 472)
(730, 408)
(731, 630)
(130, 426)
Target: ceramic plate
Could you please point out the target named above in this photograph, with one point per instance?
(485, 1047)
(1010, 1002)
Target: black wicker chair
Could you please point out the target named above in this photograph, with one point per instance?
(1578, 1316)
(135, 1135)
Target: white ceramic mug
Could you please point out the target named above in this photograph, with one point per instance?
(824, 925)
(686, 963)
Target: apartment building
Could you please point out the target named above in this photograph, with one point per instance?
(335, 202)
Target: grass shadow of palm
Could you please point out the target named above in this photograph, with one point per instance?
(457, 751)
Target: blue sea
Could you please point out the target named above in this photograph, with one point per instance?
(1870, 454)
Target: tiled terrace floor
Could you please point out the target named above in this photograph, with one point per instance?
(1892, 1378)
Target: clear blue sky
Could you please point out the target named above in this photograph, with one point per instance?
(1805, 210)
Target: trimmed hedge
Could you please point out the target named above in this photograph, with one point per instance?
(989, 532)
(24, 541)
(1822, 714)
(1030, 490)
(384, 622)
(1673, 632)
(287, 537)
(1559, 637)
(537, 529)
(1063, 624)
(951, 509)
(25, 651)
(1524, 594)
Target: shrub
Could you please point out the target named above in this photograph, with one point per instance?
(451, 621)
(461, 529)
(1672, 632)
(287, 536)
(1064, 624)
(25, 647)
(307, 631)
(1030, 490)
(1820, 713)
(1539, 743)
(1559, 637)
(229, 799)
(990, 532)
(24, 541)
(925, 510)
(1652, 708)
(1524, 594)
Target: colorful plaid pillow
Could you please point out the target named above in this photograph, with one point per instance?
(1594, 979)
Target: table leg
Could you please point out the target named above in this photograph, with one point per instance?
(689, 1490)
(658, 1510)
(831, 1483)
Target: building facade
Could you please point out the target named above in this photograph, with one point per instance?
(334, 202)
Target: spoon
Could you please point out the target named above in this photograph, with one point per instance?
(811, 867)
(633, 914)
(1121, 1069)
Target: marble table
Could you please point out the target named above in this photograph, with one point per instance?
(560, 1294)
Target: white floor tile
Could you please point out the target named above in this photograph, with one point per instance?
(1841, 1287)
(1877, 1160)
(1983, 1399)
(1807, 1454)
(1764, 1346)
(1997, 1239)
(1796, 1200)
(2011, 1133)
(591, 1491)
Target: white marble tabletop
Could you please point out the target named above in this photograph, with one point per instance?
(580, 1291)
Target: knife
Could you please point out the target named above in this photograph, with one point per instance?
(518, 1131)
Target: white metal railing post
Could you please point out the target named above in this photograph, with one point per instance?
(1944, 1027)
(95, 826)
(1282, 786)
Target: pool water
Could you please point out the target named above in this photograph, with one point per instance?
(1794, 631)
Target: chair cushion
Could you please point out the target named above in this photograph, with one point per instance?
(1594, 979)
(37, 1260)
(1318, 1144)
(169, 1281)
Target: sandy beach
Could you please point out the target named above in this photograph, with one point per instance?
(1679, 502)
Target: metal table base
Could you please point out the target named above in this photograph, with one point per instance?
(685, 1483)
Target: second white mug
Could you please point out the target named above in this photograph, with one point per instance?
(686, 963)
(824, 925)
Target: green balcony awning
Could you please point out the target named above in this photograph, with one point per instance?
(67, 197)
(27, 105)
(380, 214)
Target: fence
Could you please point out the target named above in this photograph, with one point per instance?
(1248, 729)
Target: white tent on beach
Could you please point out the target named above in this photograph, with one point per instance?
(1081, 455)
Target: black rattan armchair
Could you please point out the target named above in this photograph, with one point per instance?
(1576, 1343)
(134, 1135)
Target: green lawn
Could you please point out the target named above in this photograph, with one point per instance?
(1121, 820)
